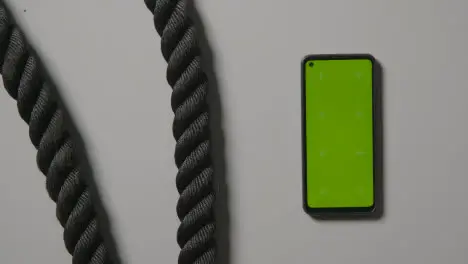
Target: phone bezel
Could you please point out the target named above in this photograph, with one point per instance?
(337, 211)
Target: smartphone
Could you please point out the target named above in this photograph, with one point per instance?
(338, 127)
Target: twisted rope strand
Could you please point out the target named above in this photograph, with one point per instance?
(194, 179)
(56, 156)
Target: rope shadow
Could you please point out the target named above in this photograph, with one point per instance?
(102, 216)
(222, 214)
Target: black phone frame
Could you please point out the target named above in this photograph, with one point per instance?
(343, 211)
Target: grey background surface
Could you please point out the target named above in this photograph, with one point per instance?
(105, 55)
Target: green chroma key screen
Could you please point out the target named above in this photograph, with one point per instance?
(338, 133)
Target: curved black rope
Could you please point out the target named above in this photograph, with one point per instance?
(194, 179)
(56, 156)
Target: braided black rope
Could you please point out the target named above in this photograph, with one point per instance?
(194, 179)
(56, 154)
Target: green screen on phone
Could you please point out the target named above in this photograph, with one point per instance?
(338, 132)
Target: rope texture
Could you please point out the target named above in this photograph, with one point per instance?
(194, 179)
(56, 156)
